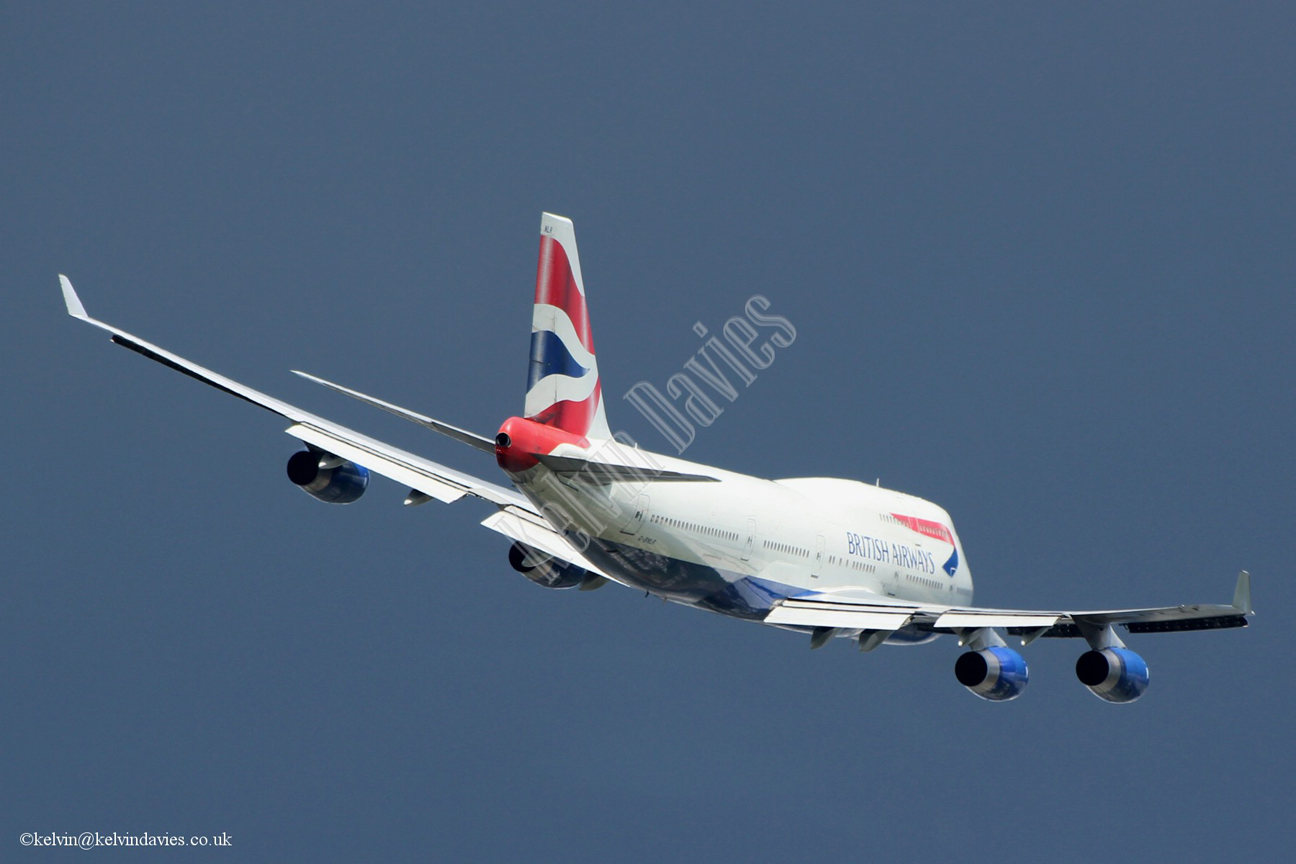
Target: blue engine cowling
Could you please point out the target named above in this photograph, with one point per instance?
(997, 674)
(545, 570)
(1113, 674)
(340, 484)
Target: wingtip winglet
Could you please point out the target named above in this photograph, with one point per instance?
(74, 306)
(1242, 594)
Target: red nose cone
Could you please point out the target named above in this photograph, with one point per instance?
(520, 440)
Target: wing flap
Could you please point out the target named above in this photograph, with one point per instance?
(974, 619)
(811, 613)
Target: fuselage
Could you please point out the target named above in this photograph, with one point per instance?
(703, 543)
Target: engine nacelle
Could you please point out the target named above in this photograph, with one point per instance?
(545, 570)
(995, 673)
(341, 483)
(1113, 674)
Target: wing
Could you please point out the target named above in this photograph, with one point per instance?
(424, 476)
(848, 611)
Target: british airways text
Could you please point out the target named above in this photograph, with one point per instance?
(874, 549)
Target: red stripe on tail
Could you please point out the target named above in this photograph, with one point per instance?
(556, 286)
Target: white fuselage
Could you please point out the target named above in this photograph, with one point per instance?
(737, 544)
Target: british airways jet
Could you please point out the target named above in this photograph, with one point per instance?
(823, 557)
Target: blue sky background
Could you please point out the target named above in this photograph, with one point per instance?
(1040, 262)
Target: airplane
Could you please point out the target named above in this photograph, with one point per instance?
(828, 558)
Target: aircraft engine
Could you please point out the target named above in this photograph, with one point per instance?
(543, 569)
(327, 478)
(996, 674)
(1113, 674)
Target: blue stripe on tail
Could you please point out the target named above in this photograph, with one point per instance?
(549, 356)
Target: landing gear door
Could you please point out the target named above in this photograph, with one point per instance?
(636, 520)
(750, 545)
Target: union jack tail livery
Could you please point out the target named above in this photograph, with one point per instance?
(563, 387)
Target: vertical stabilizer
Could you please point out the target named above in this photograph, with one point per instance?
(563, 387)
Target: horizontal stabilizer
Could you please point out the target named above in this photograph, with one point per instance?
(603, 472)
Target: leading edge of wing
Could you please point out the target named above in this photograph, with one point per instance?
(472, 439)
(441, 482)
(77, 310)
(1148, 619)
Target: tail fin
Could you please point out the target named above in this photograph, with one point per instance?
(563, 387)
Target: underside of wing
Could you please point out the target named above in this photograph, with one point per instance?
(848, 612)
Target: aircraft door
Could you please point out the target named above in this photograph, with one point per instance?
(892, 585)
(751, 540)
(636, 520)
(817, 567)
